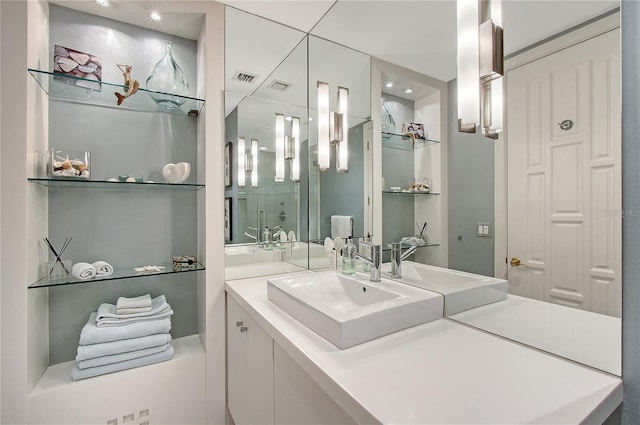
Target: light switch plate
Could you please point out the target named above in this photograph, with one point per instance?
(483, 230)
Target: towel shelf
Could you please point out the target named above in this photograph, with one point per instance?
(118, 273)
(102, 184)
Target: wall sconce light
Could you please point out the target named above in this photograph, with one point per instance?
(287, 147)
(333, 129)
(480, 66)
(247, 162)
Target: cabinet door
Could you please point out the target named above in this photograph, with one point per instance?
(298, 399)
(249, 368)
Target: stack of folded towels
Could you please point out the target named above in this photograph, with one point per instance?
(132, 333)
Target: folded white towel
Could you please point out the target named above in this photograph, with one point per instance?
(86, 352)
(107, 315)
(411, 240)
(83, 271)
(341, 225)
(77, 373)
(92, 334)
(117, 358)
(103, 268)
(139, 304)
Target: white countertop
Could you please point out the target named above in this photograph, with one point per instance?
(590, 338)
(440, 372)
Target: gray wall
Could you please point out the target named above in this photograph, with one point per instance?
(471, 195)
(343, 194)
(126, 227)
(631, 206)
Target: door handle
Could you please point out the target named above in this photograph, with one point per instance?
(515, 262)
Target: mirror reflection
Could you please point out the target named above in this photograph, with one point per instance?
(545, 196)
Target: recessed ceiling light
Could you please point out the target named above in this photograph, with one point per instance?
(263, 148)
(408, 91)
(287, 118)
(104, 3)
(155, 15)
(389, 85)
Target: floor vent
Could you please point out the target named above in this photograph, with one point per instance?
(279, 85)
(244, 77)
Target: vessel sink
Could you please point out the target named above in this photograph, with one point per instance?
(462, 291)
(349, 310)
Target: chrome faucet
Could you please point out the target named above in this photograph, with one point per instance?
(374, 261)
(255, 237)
(397, 256)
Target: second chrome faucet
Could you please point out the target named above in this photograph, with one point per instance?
(374, 261)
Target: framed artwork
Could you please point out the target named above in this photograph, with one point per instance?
(227, 219)
(227, 164)
(77, 64)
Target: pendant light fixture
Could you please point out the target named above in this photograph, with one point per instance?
(247, 162)
(480, 66)
(333, 129)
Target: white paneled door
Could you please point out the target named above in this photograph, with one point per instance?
(564, 177)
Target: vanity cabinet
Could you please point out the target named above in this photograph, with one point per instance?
(249, 369)
(265, 385)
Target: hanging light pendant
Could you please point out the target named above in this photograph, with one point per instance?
(279, 147)
(480, 66)
(254, 163)
(295, 161)
(342, 148)
(468, 66)
(323, 126)
(241, 162)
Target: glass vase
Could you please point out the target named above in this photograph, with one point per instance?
(388, 123)
(167, 77)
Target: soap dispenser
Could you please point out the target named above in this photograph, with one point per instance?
(349, 258)
(267, 242)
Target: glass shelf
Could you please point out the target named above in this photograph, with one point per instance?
(83, 90)
(100, 184)
(120, 273)
(399, 141)
(392, 193)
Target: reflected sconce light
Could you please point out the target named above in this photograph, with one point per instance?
(247, 162)
(480, 62)
(333, 129)
(279, 147)
(287, 148)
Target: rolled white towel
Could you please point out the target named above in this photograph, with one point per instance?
(103, 268)
(83, 271)
(139, 304)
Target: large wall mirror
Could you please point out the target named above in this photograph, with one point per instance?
(548, 194)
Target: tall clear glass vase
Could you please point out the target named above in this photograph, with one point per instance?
(167, 77)
(388, 123)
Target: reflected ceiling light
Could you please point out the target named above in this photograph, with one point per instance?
(104, 3)
(263, 148)
(279, 147)
(155, 15)
(254, 163)
(480, 66)
(389, 85)
(332, 129)
(241, 162)
(408, 91)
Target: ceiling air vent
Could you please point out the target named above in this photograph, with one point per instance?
(279, 85)
(244, 77)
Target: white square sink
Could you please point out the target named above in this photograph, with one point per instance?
(349, 310)
(462, 291)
